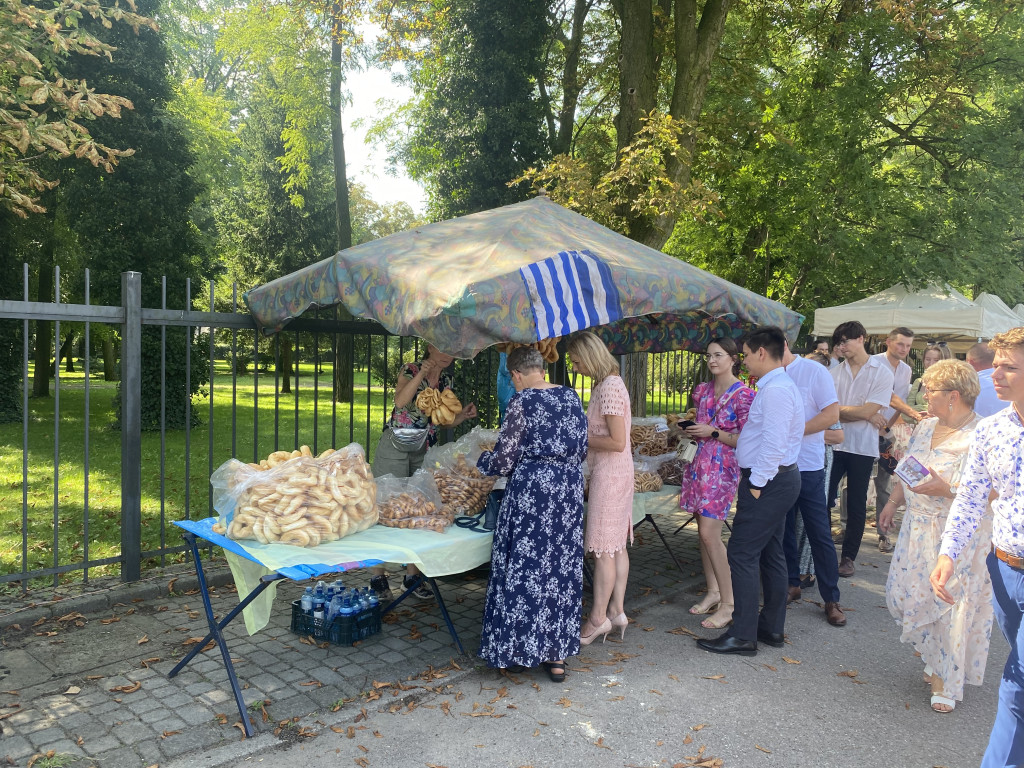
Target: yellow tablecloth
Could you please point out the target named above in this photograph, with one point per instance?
(436, 554)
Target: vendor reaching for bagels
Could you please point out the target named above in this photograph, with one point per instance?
(428, 383)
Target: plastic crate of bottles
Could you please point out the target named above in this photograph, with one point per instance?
(341, 630)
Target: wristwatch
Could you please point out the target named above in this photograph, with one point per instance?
(715, 433)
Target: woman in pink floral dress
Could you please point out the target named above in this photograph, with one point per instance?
(610, 502)
(711, 479)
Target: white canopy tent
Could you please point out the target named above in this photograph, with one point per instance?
(1000, 312)
(939, 312)
(1019, 311)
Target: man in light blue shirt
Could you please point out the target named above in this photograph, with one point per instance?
(767, 453)
(980, 357)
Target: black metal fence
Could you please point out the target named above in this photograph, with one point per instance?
(98, 469)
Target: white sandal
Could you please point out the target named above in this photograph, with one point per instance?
(938, 698)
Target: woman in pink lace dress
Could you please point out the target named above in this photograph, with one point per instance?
(710, 481)
(610, 502)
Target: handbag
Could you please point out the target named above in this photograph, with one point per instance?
(408, 439)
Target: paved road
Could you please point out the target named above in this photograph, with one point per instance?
(831, 697)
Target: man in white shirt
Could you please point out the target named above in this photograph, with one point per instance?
(980, 358)
(864, 385)
(898, 346)
(766, 452)
(993, 464)
(820, 411)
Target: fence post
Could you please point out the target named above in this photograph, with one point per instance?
(131, 427)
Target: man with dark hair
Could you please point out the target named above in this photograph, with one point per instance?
(897, 345)
(820, 411)
(822, 346)
(981, 357)
(766, 452)
(864, 386)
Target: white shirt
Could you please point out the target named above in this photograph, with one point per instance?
(774, 431)
(874, 384)
(993, 462)
(987, 403)
(817, 391)
(901, 376)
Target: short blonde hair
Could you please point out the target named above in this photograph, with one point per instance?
(1012, 339)
(594, 355)
(955, 375)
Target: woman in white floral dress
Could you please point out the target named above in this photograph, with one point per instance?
(952, 639)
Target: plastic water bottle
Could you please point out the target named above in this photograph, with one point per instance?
(334, 606)
(346, 616)
(371, 595)
(319, 599)
(306, 603)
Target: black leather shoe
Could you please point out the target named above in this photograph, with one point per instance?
(774, 639)
(729, 644)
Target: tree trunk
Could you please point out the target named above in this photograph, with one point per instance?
(67, 350)
(634, 374)
(284, 364)
(344, 373)
(109, 360)
(44, 329)
(697, 37)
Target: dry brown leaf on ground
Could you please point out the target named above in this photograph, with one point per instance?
(165, 734)
(111, 620)
(502, 693)
(688, 739)
(766, 751)
(143, 639)
(700, 727)
(565, 702)
(364, 749)
(94, 677)
(600, 743)
(434, 765)
(152, 660)
(682, 631)
(655, 690)
(362, 762)
(616, 698)
(446, 707)
(769, 666)
(719, 678)
(790, 661)
(127, 688)
(240, 727)
(170, 586)
(221, 718)
(338, 728)
(317, 683)
(847, 673)
(361, 716)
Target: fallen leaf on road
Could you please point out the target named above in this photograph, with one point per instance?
(170, 586)
(847, 673)
(221, 718)
(317, 683)
(688, 739)
(143, 639)
(168, 733)
(682, 631)
(565, 702)
(789, 660)
(446, 707)
(240, 727)
(616, 698)
(673, 677)
(127, 688)
(502, 693)
(766, 751)
(361, 716)
(700, 727)
(94, 677)
(111, 620)
(600, 743)
(769, 666)
(653, 690)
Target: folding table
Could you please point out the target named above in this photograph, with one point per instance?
(258, 567)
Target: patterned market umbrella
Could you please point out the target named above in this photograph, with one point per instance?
(522, 272)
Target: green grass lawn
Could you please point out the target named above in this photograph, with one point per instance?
(182, 483)
(177, 489)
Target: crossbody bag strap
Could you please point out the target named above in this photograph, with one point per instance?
(728, 396)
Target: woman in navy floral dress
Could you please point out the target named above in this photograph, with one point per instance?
(535, 591)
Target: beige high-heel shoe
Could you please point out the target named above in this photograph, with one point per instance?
(622, 622)
(603, 630)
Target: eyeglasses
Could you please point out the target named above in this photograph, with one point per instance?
(932, 391)
(714, 356)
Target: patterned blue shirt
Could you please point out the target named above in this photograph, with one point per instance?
(993, 463)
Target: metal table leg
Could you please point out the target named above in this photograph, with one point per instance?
(216, 627)
(650, 519)
(420, 578)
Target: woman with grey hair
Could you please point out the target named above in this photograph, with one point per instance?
(952, 640)
(535, 590)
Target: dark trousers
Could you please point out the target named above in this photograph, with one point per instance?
(1006, 744)
(756, 557)
(857, 470)
(810, 505)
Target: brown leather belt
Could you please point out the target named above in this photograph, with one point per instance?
(1011, 560)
